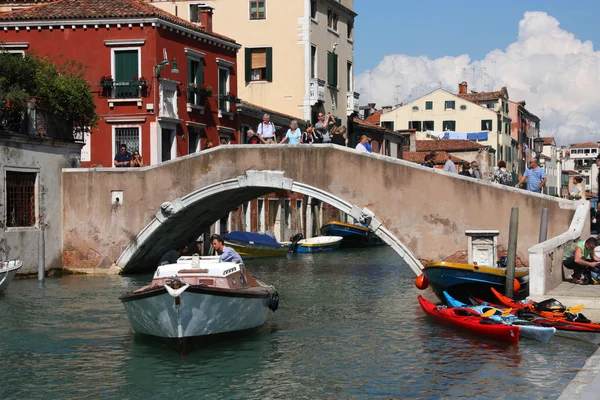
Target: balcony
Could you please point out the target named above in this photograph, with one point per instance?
(352, 103)
(317, 90)
(133, 89)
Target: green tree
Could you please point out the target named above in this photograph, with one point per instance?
(61, 91)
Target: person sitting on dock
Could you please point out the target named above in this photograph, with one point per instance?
(581, 258)
(227, 253)
(171, 256)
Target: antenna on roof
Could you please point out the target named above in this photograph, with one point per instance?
(494, 62)
(370, 85)
(485, 82)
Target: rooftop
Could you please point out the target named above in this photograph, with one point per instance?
(419, 157)
(375, 117)
(585, 144)
(98, 9)
(370, 125)
(549, 141)
(484, 96)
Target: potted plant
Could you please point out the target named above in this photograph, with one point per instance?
(106, 81)
(205, 91)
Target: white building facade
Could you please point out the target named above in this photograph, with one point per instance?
(582, 159)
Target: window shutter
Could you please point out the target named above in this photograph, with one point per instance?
(269, 64)
(200, 72)
(248, 64)
(190, 79)
(330, 68)
(335, 70)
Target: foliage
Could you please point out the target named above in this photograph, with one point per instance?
(200, 88)
(60, 90)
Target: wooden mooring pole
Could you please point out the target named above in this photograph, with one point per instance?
(512, 251)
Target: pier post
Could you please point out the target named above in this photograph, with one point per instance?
(544, 226)
(41, 254)
(512, 251)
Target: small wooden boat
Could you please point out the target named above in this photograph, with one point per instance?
(469, 321)
(464, 280)
(8, 269)
(528, 329)
(199, 300)
(316, 244)
(354, 236)
(252, 244)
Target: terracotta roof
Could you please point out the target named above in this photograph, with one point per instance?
(370, 125)
(419, 157)
(375, 117)
(586, 144)
(98, 9)
(548, 141)
(448, 145)
(271, 112)
(483, 96)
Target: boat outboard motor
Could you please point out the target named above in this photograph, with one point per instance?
(294, 242)
(274, 301)
(503, 262)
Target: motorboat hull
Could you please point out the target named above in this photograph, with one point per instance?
(197, 313)
(8, 271)
(247, 250)
(464, 280)
(319, 244)
(354, 236)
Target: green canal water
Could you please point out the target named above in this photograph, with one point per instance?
(348, 327)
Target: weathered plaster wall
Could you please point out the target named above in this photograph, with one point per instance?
(428, 210)
(47, 159)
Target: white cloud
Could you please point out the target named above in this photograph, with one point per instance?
(557, 75)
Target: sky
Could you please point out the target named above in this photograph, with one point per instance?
(545, 52)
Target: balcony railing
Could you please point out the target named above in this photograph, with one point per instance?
(124, 89)
(317, 90)
(352, 104)
(37, 122)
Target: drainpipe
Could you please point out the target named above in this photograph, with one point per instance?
(41, 254)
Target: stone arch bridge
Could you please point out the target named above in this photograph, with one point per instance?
(421, 213)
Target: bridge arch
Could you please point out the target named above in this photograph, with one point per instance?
(188, 217)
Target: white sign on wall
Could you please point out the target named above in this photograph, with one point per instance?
(86, 150)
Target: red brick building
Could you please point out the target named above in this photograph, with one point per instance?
(130, 49)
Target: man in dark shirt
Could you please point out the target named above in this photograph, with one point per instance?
(171, 256)
(123, 157)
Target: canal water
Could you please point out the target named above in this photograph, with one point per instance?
(348, 327)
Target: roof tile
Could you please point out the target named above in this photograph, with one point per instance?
(483, 96)
(98, 9)
(419, 157)
(448, 145)
(586, 144)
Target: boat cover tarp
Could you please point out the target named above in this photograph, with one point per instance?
(257, 238)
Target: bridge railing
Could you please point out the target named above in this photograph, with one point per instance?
(545, 259)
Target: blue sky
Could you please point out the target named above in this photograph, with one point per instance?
(450, 28)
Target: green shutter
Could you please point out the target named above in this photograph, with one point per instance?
(248, 62)
(190, 69)
(200, 72)
(126, 67)
(269, 64)
(335, 70)
(332, 69)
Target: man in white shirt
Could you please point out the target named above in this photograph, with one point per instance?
(449, 165)
(266, 131)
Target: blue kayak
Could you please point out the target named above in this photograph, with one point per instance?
(528, 329)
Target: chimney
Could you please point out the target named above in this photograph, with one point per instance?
(386, 108)
(371, 106)
(462, 88)
(206, 14)
(413, 141)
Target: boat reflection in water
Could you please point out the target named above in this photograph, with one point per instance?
(198, 301)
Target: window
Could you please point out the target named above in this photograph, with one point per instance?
(388, 124)
(449, 126)
(429, 105)
(506, 127)
(332, 69)
(463, 107)
(126, 67)
(223, 89)
(349, 77)
(332, 20)
(450, 105)
(491, 105)
(20, 199)
(257, 10)
(350, 29)
(415, 125)
(194, 134)
(313, 9)
(428, 125)
(486, 125)
(167, 140)
(195, 13)
(128, 135)
(259, 64)
(195, 77)
(313, 61)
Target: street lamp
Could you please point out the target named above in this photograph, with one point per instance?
(158, 67)
(538, 145)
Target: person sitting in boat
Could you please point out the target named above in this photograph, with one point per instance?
(581, 258)
(172, 256)
(227, 253)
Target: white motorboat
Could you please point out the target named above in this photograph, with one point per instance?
(199, 299)
(8, 269)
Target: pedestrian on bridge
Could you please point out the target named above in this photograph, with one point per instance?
(360, 147)
(449, 165)
(266, 131)
(534, 176)
(293, 135)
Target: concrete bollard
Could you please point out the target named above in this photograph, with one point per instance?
(512, 251)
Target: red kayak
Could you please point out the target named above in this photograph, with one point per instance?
(470, 321)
